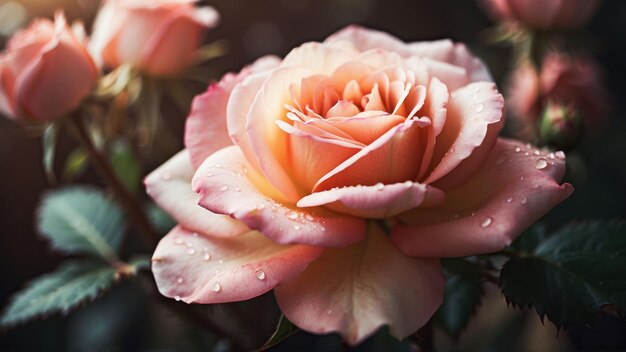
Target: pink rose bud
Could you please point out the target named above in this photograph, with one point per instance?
(560, 126)
(46, 71)
(158, 37)
(543, 14)
(568, 81)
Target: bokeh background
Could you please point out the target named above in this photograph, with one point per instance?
(124, 320)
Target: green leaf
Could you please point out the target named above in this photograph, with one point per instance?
(572, 274)
(284, 329)
(125, 164)
(82, 220)
(160, 220)
(464, 289)
(74, 282)
(75, 164)
(49, 144)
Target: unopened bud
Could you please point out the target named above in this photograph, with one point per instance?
(560, 126)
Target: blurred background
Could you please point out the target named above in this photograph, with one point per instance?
(123, 320)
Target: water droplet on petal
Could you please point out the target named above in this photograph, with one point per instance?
(329, 312)
(178, 241)
(206, 257)
(292, 215)
(223, 188)
(521, 178)
(536, 152)
(518, 149)
(217, 287)
(500, 160)
(260, 274)
(221, 261)
(379, 186)
(541, 163)
(509, 200)
(191, 251)
(177, 298)
(524, 200)
(179, 280)
(209, 174)
(479, 107)
(245, 170)
(296, 227)
(560, 154)
(486, 222)
(308, 217)
(551, 156)
(408, 184)
(322, 228)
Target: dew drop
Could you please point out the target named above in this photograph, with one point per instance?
(245, 170)
(560, 154)
(296, 227)
(551, 156)
(291, 215)
(237, 189)
(518, 149)
(541, 163)
(329, 312)
(486, 222)
(224, 188)
(509, 200)
(521, 178)
(379, 186)
(408, 184)
(322, 228)
(309, 217)
(536, 152)
(217, 287)
(191, 251)
(178, 241)
(524, 200)
(479, 107)
(177, 298)
(206, 257)
(500, 160)
(260, 274)
(209, 174)
(179, 280)
(221, 261)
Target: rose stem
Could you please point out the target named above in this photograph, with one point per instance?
(127, 200)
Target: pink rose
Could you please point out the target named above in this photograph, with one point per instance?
(46, 71)
(543, 14)
(159, 37)
(297, 164)
(574, 82)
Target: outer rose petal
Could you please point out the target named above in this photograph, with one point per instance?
(379, 201)
(471, 111)
(506, 195)
(198, 268)
(229, 185)
(356, 290)
(170, 187)
(205, 130)
(319, 58)
(365, 39)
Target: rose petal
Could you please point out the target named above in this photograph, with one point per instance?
(205, 129)
(378, 201)
(228, 185)
(170, 187)
(356, 290)
(380, 159)
(365, 39)
(471, 112)
(267, 140)
(6, 89)
(319, 58)
(513, 189)
(436, 108)
(198, 268)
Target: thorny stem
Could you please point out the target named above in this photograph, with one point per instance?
(127, 200)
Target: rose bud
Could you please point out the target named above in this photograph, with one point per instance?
(574, 82)
(158, 37)
(291, 166)
(46, 71)
(560, 126)
(542, 14)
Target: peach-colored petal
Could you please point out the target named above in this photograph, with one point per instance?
(229, 185)
(356, 290)
(319, 58)
(515, 187)
(267, 140)
(198, 268)
(367, 129)
(376, 202)
(205, 129)
(170, 187)
(38, 84)
(435, 107)
(380, 161)
(471, 111)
